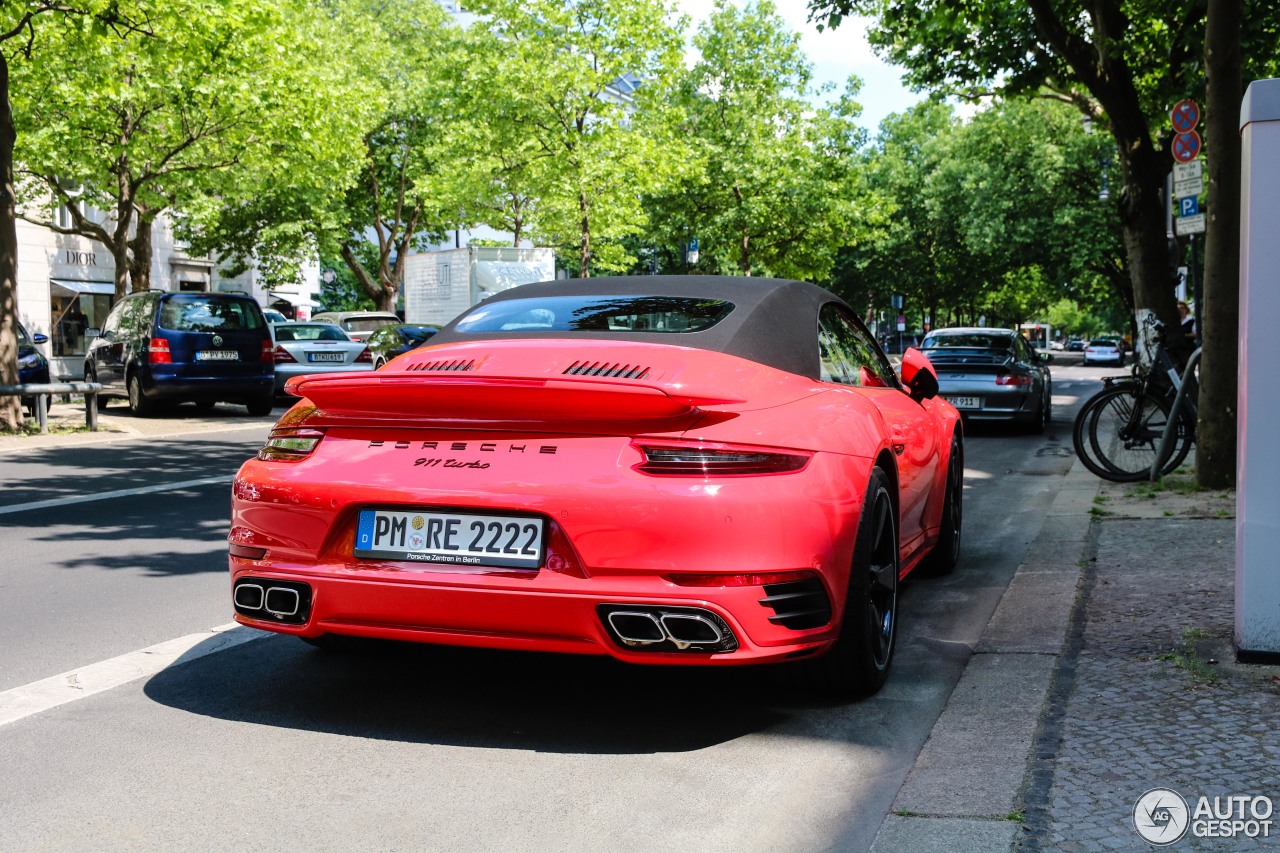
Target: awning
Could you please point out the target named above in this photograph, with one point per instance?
(62, 287)
(294, 299)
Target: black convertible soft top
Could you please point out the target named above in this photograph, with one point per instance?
(774, 321)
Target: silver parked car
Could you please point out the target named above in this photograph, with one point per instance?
(303, 348)
(359, 325)
(992, 374)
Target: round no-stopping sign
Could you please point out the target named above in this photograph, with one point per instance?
(1186, 146)
(1185, 115)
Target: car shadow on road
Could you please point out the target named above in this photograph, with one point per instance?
(473, 698)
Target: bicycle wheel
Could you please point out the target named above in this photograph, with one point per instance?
(1126, 441)
(1080, 437)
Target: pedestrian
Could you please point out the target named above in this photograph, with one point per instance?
(1188, 321)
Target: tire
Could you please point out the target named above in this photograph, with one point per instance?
(1129, 457)
(138, 402)
(945, 555)
(1048, 403)
(261, 406)
(90, 375)
(1036, 425)
(378, 363)
(857, 665)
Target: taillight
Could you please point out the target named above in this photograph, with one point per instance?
(365, 357)
(702, 460)
(270, 356)
(282, 356)
(290, 444)
(1013, 379)
(750, 579)
(158, 351)
(245, 552)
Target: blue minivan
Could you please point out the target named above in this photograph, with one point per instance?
(157, 347)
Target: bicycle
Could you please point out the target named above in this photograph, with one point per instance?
(1119, 430)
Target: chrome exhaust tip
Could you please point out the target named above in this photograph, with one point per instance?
(691, 629)
(271, 600)
(282, 601)
(636, 628)
(662, 628)
(249, 596)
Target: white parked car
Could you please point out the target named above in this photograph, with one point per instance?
(1104, 352)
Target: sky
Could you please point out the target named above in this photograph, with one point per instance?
(835, 55)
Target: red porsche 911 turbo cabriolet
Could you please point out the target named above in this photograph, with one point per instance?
(696, 470)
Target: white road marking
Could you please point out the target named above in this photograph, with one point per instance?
(40, 696)
(118, 493)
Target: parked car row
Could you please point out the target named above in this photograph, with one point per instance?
(159, 347)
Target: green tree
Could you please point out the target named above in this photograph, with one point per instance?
(1122, 63)
(586, 84)
(19, 22)
(142, 127)
(771, 183)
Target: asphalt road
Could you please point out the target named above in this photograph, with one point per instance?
(270, 744)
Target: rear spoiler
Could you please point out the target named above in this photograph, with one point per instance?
(508, 399)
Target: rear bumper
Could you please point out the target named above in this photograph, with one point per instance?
(997, 403)
(546, 613)
(215, 388)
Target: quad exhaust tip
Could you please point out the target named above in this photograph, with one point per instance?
(668, 628)
(273, 600)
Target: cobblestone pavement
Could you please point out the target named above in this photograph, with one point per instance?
(1147, 694)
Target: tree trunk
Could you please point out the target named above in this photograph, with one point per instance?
(372, 287)
(1220, 311)
(744, 254)
(140, 253)
(1142, 217)
(10, 407)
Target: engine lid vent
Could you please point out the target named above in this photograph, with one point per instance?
(448, 364)
(605, 368)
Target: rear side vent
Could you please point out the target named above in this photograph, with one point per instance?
(451, 364)
(604, 368)
(798, 604)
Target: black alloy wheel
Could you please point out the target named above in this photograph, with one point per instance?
(945, 555)
(857, 665)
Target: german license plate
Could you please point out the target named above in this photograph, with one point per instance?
(965, 402)
(217, 355)
(457, 538)
(326, 356)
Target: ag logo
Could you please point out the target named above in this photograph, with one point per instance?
(1161, 816)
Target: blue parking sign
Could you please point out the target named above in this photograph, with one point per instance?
(1189, 206)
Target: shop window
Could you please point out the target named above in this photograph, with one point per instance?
(72, 315)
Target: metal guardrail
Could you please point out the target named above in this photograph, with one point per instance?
(44, 391)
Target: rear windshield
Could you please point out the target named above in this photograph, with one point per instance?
(200, 313)
(976, 340)
(367, 324)
(596, 314)
(1102, 343)
(325, 332)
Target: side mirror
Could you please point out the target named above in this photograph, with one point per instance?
(92, 333)
(38, 339)
(918, 375)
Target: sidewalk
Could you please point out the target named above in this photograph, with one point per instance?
(1106, 671)
(116, 423)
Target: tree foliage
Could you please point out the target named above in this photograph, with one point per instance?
(770, 181)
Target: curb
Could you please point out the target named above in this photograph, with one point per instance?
(969, 778)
